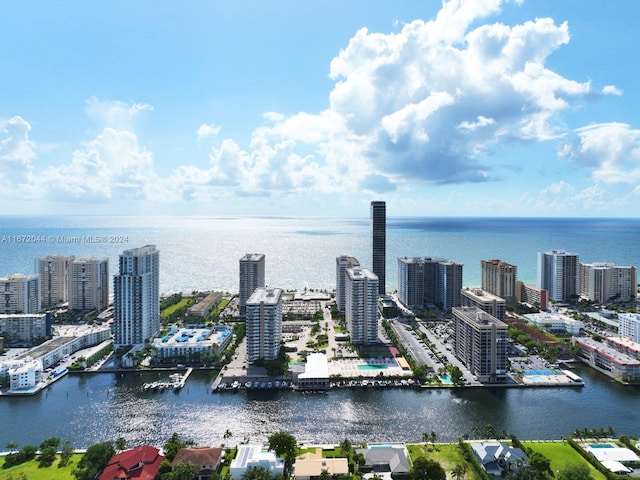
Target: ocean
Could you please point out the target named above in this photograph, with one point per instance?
(202, 253)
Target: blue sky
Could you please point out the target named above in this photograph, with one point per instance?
(465, 108)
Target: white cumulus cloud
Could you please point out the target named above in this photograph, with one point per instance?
(210, 130)
(610, 150)
(17, 151)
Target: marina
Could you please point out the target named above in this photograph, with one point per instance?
(176, 382)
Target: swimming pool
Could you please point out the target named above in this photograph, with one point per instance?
(372, 367)
(601, 445)
(538, 372)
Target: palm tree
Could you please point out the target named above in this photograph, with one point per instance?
(433, 436)
(346, 447)
(324, 475)
(227, 434)
(459, 471)
(121, 444)
(11, 446)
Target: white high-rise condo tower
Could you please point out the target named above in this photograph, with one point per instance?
(361, 310)
(264, 324)
(558, 274)
(136, 296)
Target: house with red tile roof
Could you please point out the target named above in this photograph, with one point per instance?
(140, 463)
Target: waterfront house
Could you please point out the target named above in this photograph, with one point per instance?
(383, 459)
(252, 456)
(497, 457)
(207, 459)
(614, 458)
(310, 466)
(140, 463)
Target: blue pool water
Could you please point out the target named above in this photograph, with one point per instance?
(371, 367)
(538, 372)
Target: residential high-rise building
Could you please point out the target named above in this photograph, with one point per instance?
(558, 274)
(20, 294)
(136, 296)
(379, 242)
(629, 326)
(411, 282)
(361, 309)
(532, 295)
(605, 282)
(264, 324)
(485, 301)
(429, 281)
(449, 284)
(88, 284)
(53, 271)
(481, 343)
(499, 278)
(342, 263)
(252, 266)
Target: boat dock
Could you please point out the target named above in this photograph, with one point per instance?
(176, 382)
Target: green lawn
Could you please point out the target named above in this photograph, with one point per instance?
(33, 472)
(172, 309)
(446, 455)
(560, 454)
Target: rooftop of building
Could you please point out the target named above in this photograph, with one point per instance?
(501, 263)
(18, 276)
(251, 453)
(608, 351)
(477, 316)
(347, 259)
(482, 295)
(206, 302)
(9, 316)
(198, 456)
(311, 464)
(46, 347)
(78, 330)
(625, 343)
(317, 366)
(361, 273)
(193, 335)
(142, 462)
(139, 250)
(551, 317)
(265, 295)
(254, 257)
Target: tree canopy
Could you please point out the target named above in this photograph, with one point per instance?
(256, 473)
(578, 471)
(285, 446)
(95, 459)
(174, 444)
(427, 469)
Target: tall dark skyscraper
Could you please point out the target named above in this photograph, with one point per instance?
(379, 242)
